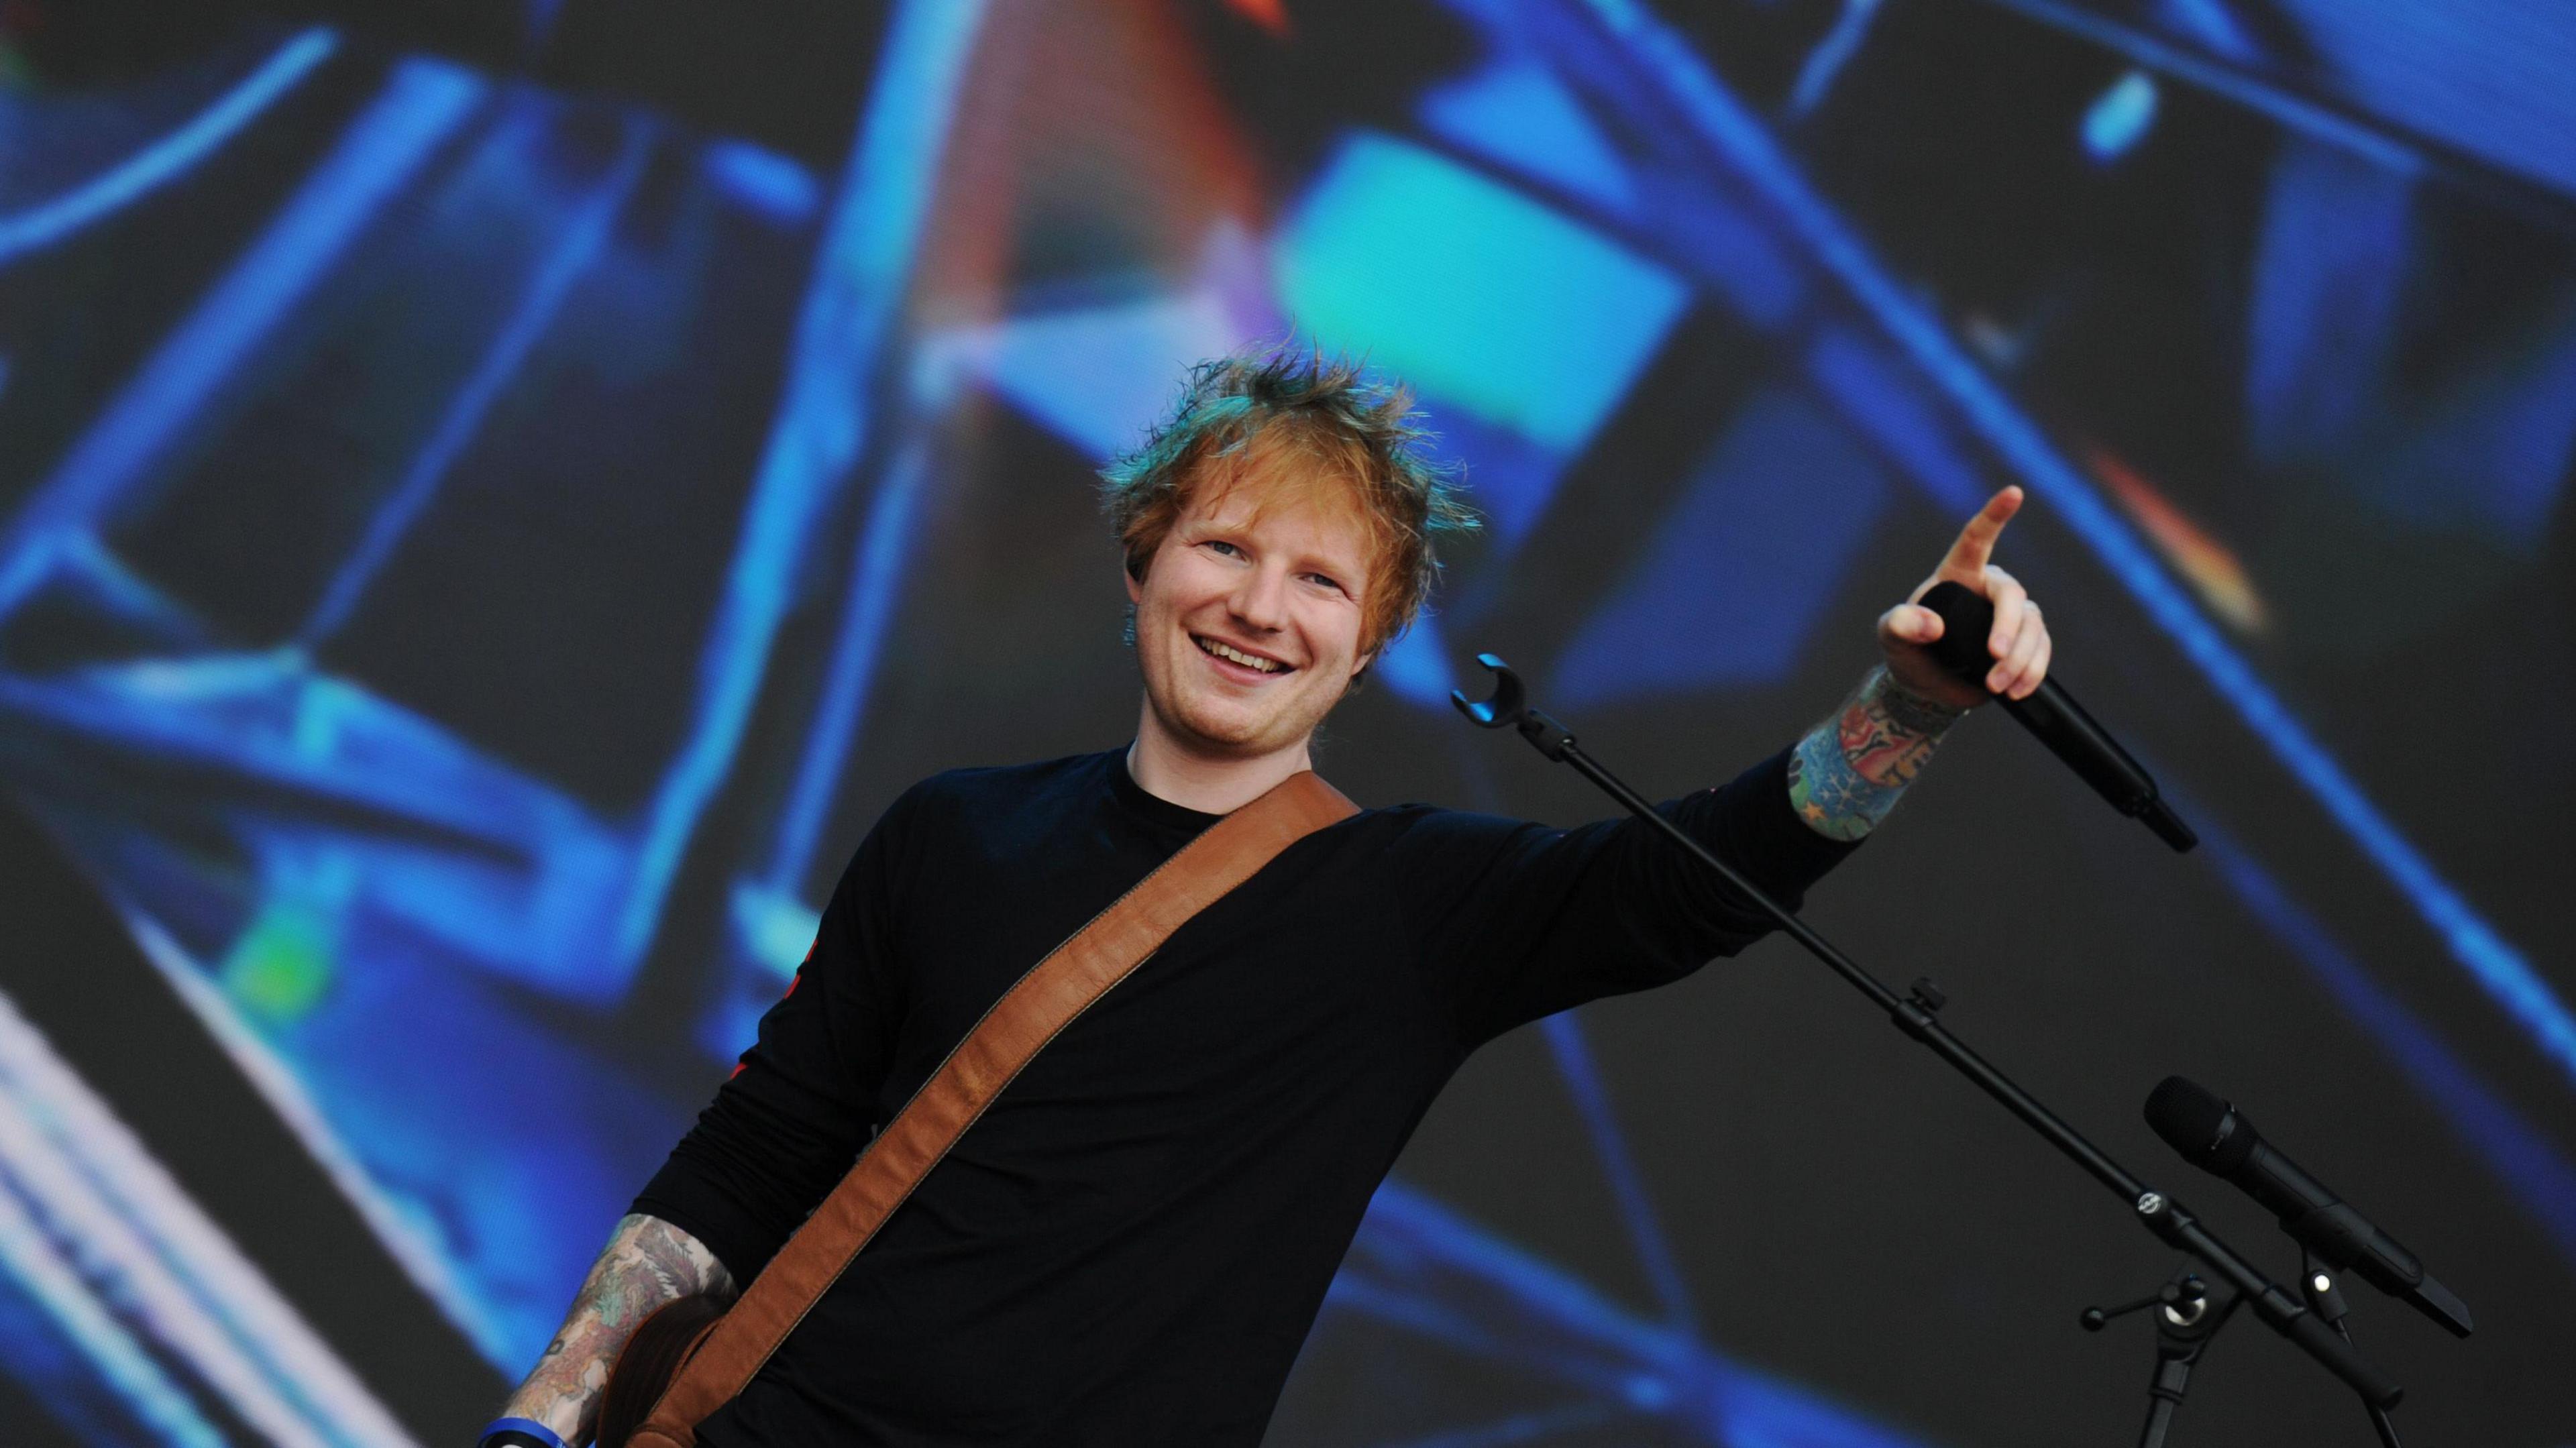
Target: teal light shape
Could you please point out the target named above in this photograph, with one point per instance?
(1479, 296)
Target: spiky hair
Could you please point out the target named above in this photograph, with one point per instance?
(1328, 411)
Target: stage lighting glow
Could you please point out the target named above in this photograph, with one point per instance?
(169, 158)
(2209, 566)
(1826, 61)
(2212, 25)
(2121, 117)
(778, 928)
(764, 180)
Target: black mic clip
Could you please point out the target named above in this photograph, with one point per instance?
(1510, 708)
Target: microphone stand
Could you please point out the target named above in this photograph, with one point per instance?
(1916, 1014)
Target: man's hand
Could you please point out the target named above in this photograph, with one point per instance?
(2019, 644)
(1847, 773)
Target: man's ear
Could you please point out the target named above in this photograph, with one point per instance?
(1361, 666)
(1135, 585)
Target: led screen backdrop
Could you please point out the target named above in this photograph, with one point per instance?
(494, 498)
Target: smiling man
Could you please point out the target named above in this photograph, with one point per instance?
(1276, 534)
(1130, 1245)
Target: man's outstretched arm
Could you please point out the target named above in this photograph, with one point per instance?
(646, 1263)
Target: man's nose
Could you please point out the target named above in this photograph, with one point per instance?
(1262, 599)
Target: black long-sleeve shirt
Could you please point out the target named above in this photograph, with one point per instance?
(1131, 1244)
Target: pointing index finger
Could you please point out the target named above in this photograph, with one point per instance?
(1976, 542)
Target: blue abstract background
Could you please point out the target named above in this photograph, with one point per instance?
(495, 497)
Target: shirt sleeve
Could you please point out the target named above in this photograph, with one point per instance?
(785, 1127)
(1516, 920)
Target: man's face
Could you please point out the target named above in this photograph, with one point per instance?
(1248, 618)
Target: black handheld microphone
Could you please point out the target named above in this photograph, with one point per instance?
(2053, 715)
(2216, 1137)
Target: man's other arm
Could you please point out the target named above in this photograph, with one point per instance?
(646, 1263)
(782, 1129)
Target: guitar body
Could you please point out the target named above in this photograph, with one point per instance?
(651, 1358)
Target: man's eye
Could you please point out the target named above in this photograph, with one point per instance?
(1229, 549)
(1329, 581)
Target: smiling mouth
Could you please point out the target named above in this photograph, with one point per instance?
(1232, 655)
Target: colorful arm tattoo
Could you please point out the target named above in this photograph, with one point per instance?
(1847, 773)
(646, 1263)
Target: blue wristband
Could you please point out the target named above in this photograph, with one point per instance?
(536, 1433)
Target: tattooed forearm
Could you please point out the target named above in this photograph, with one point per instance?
(1848, 772)
(647, 1263)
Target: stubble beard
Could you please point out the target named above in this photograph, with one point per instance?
(1236, 732)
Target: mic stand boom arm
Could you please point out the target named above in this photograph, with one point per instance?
(1915, 1015)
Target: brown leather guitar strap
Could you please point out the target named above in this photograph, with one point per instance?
(1028, 1015)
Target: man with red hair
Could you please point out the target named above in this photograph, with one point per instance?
(1130, 1245)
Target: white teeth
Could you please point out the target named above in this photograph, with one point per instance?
(1266, 666)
